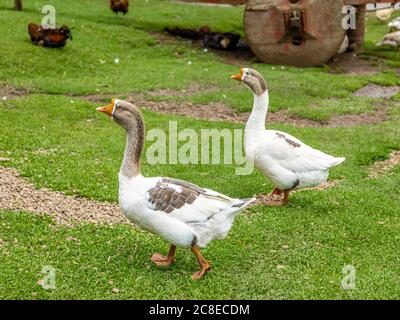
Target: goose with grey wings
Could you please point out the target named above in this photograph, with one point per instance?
(181, 212)
(288, 162)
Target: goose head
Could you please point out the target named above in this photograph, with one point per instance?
(130, 118)
(123, 113)
(252, 79)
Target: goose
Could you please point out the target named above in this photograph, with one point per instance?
(394, 24)
(181, 212)
(288, 162)
(391, 39)
(384, 14)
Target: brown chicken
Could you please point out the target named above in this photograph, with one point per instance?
(119, 6)
(18, 5)
(50, 38)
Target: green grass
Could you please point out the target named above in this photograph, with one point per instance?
(333, 231)
(100, 35)
(146, 63)
(375, 30)
(343, 221)
(60, 142)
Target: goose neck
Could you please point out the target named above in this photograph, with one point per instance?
(134, 146)
(260, 108)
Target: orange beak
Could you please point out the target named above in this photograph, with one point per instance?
(108, 110)
(238, 76)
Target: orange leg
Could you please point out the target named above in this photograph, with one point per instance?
(163, 261)
(276, 191)
(271, 200)
(285, 197)
(277, 203)
(204, 265)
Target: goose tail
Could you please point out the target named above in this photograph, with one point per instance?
(337, 160)
(222, 222)
(244, 203)
(237, 206)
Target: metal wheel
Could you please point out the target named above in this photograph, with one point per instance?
(294, 32)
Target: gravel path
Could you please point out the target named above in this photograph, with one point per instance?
(381, 168)
(16, 194)
(262, 198)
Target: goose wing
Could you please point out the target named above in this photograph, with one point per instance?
(188, 202)
(294, 155)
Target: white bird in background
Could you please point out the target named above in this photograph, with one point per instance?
(394, 24)
(384, 14)
(391, 39)
(288, 162)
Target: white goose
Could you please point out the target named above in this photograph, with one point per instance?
(182, 213)
(391, 39)
(384, 14)
(394, 24)
(285, 160)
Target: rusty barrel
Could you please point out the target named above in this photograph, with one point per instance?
(296, 32)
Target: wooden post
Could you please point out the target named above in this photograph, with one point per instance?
(18, 5)
(360, 27)
(356, 37)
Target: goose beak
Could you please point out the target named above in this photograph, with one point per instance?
(238, 76)
(108, 110)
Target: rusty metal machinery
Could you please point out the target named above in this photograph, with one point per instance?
(299, 32)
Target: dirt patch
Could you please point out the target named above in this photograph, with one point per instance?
(146, 97)
(381, 168)
(347, 63)
(102, 98)
(350, 120)
(217, 111)
(16, 194)
(326, 185)
(375, 91)
(192, 89)
(239, 57)
(214, 111)
(8, 93)
(351, 64)
(263, 198)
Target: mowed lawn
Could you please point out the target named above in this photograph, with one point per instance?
(295, 252)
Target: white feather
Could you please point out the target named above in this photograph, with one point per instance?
(395, 23)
